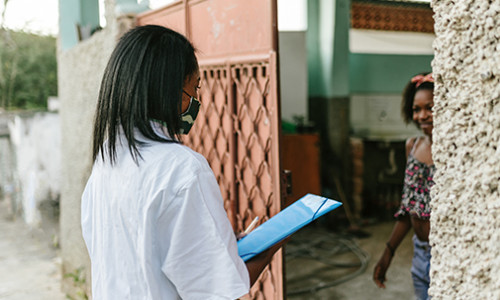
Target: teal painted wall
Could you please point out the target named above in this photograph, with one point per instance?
(72, 12)
(90, 13)
(327, 42)
(341, 69)
(384, 73)
(86, 13)
(316, 84)
(69, 15)
(335, 72)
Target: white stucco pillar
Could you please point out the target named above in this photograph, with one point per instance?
(465, 222)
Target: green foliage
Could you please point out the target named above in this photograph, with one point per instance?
(77, 275)
(28, 70)
(78, 278)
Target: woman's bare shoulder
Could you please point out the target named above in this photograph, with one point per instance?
(410, 142)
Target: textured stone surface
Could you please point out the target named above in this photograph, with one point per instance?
(80, 71)
(465, 230)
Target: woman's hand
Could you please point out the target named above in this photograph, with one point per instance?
(240, 235)
(381, 268)
(401, 228)
(257, 263)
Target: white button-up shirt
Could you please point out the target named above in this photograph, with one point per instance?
(158, 230)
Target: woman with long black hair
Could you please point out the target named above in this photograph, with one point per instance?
(152, 213)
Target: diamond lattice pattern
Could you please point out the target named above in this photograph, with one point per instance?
(234, 132)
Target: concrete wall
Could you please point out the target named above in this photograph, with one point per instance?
(465, 222)
(80, 71)
(35, 140)
(10, 187)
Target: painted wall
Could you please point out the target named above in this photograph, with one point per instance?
(293, 74)
(36, 142)
(376, 83)
(327, 48)
(465, 221)
(76, 13)
(372, 71)
(390, 42)
(384, 73)
(380, 65)
(378, 117)
(79, 74)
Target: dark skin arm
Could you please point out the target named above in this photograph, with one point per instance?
(401, 228)
(399, 231)
(257, 264)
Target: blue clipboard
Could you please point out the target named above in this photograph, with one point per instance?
(285, 223)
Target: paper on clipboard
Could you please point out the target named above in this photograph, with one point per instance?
(285, 223)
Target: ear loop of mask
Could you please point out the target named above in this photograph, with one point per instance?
(190, 102)
(188, 117)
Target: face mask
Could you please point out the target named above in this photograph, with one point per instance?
(188, 117)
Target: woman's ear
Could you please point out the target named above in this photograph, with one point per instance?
(187, 79)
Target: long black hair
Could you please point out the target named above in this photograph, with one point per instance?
(143, 81)
(409, 94)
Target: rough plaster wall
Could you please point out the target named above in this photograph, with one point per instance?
(79, 71)
(465, 222)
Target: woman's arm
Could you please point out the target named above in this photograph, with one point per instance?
(399, 231)
(257, 264)
(409, 145)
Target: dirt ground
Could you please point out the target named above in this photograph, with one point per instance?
(319, 264)
(335, 272)
(29, 265)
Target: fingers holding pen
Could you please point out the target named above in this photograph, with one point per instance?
(250, 227)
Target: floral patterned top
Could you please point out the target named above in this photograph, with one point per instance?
(416, 190)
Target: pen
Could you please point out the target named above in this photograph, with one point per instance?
(251, 226)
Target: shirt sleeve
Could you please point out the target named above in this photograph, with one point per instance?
(201, 256)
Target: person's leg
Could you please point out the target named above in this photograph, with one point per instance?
(420, 268)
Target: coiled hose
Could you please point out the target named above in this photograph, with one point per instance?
(323, 249)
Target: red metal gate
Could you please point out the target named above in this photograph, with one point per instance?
(238, 127)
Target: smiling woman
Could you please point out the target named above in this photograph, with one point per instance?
(415, 210)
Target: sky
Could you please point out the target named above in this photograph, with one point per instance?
(37, 16)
